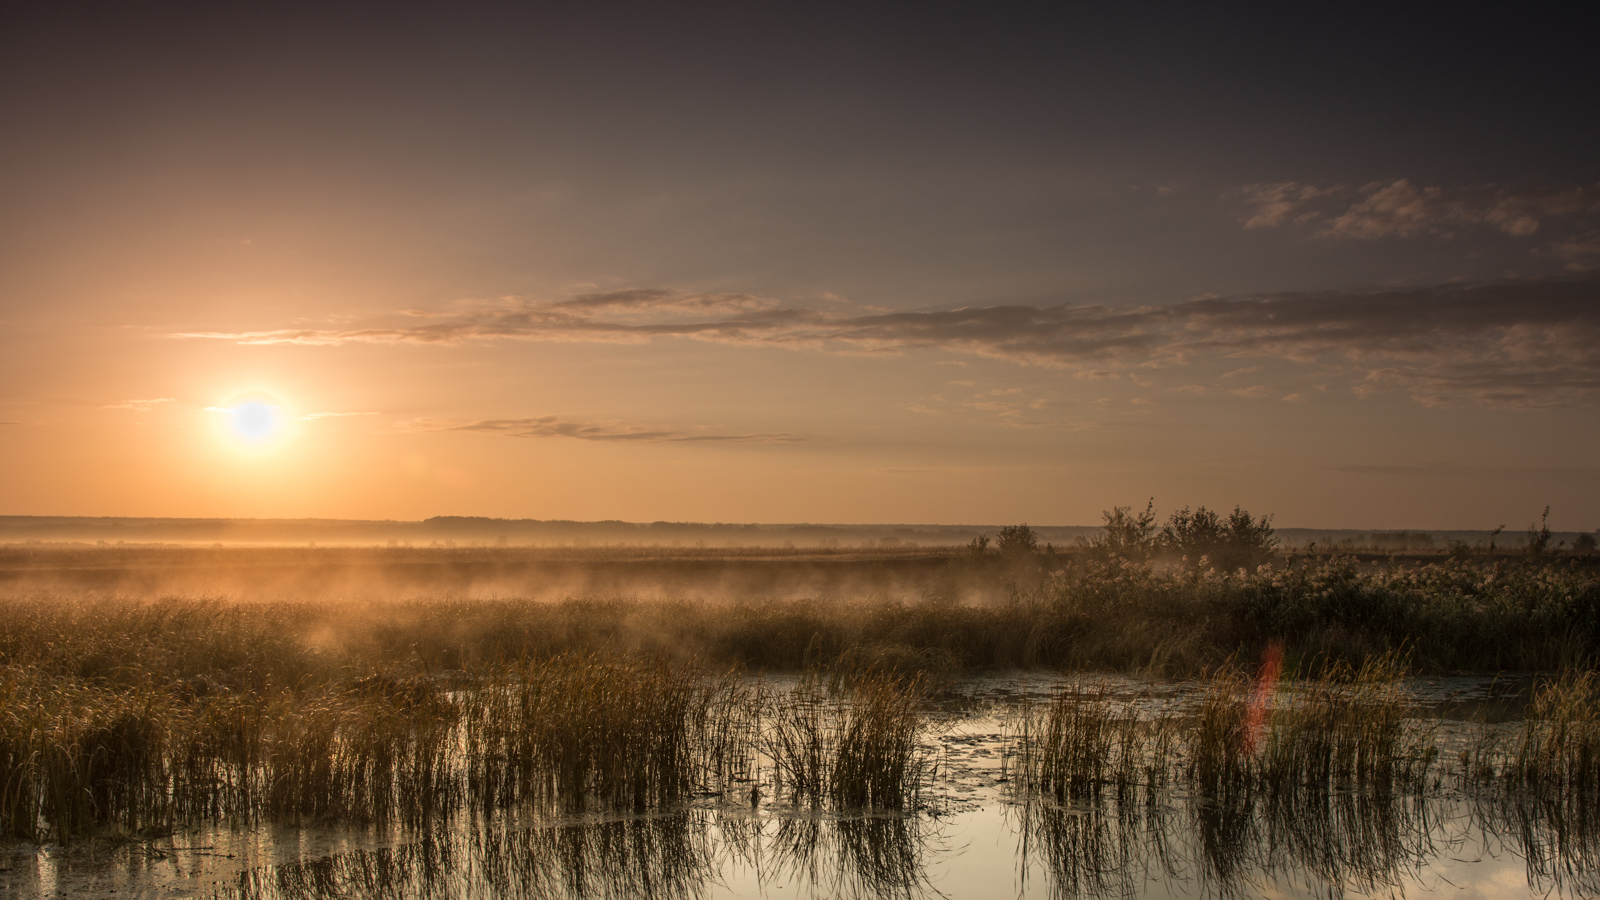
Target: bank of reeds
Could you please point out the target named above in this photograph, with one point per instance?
(1076, 612)
(1344, 729)
(856, 746)
(78, 757)
(565, 733)
(136, 715)
(1082, 746)
(579, 728)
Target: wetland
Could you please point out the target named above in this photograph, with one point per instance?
(277, 722)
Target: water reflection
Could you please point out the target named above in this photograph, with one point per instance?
(1557, 835)
(672, 856)
(667, 856)
(1156, 843)
(1306, 843)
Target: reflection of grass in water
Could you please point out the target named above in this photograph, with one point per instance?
(1328, 782)
(851, 856)
(1541, 785)
(1105, 847)
(673, 856)
(668, 856)
(1333, 788)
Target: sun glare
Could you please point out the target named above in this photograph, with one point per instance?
(256, 421)
(253, 422)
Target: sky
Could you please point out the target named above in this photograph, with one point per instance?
(800, 263)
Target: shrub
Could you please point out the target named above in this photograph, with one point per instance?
(1241, 541)
(1018, 540)
(1126, 535)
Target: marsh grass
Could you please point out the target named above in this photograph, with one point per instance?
(1081, 745)
(1558, 748)
(137, 716)
(1316, 775)
(582, 727)
(857, 746)
(1343, 730)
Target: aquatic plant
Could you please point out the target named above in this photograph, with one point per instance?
(859, 747)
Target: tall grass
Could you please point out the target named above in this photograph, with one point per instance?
(583, 727)
(1082, 746)
(859, 746)
(1342, 730)
(140, 715)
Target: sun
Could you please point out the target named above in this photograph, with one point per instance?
(253, 421)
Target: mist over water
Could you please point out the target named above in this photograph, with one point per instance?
(621, 722)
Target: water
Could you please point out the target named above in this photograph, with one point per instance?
(970, 839)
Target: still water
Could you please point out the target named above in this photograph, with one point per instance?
(972, 838)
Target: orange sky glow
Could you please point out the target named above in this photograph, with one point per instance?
(322, 271)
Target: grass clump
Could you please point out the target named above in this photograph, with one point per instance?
(1081, 746)
(857, 747)
(581, 727)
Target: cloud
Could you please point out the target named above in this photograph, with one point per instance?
(1580, 252)
(1479, 472)
(554, 426)
(1529, 343)
(312, 417)
(1400, 208)
(1254, 391)
(140, 405)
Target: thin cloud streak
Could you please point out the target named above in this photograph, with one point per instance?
(1400, 208)
(140, 405)
(1528, 344)
(312, 417)
(554, 426)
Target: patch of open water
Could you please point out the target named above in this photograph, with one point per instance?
(970, 839)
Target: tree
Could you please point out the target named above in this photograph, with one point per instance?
(1018, 540)
(1127, 535)
(1240, 541)
(1584, 544)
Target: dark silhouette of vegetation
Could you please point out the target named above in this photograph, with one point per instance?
(1018, 540)
(1203, 536)
(1539, 538)
(1127, 535)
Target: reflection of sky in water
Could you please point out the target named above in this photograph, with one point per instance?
(972, 844)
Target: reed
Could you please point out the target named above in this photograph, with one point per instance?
(582, 727)
(1558, 749)
(860, 747)
(1081, 746)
